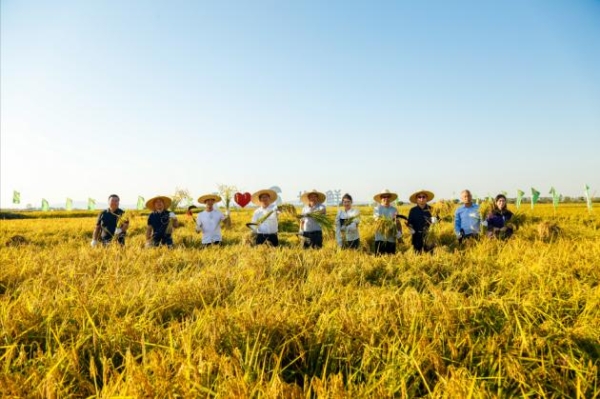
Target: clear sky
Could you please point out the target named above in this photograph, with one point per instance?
(141, 97)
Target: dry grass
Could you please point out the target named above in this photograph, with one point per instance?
(500, 319)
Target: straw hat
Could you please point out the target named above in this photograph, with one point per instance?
(392, 195)
(320, 195)
(429, 194)
(206, 197)
(256, 196)
(166, 200)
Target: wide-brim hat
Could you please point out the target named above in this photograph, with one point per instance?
(206, 197)
(320, 195)
(392, 195)
(166, 200)
(256, 196)
(429, 194)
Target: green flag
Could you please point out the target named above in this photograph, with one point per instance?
(520, 194)
(16, 197)
(69, 205)
(535, 195)
(588, 198)
(45, 206)
(555, 198)
(91, 204)
(140, 204)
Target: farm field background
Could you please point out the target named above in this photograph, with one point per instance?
(495, 319)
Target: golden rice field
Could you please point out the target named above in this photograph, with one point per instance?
(519, 318)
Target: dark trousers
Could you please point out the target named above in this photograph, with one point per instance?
(354, 244)
(385, 247)
(163, 240)
(464, 237)
(418, 242)
(313, 239)
(267, 238)
(106, 240)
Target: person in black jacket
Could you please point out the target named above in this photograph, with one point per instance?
(420, 218)
(111, 224)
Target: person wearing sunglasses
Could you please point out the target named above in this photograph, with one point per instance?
(420, 219)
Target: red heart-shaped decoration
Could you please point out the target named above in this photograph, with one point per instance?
(242, 199)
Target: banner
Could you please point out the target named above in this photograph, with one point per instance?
(91, 204)
(535, 195)
(69, 205)
(520, 194)
(16, 197)
(555, 198)
(140, 203)
(588, 198)
(45, 205)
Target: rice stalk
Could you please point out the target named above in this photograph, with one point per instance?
(386, 226)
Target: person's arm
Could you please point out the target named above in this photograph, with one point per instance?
(398, 226)
(125, 226)
(338, 228)
(199, 222)
(457, 222)
(174, 219)
(96, 233)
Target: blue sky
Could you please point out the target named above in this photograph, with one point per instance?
(141, 97)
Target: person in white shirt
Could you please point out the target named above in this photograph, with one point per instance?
(264, 219)
(346, 224)
(209, 221)
(310, 230)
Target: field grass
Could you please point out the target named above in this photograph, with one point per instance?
(495, 319)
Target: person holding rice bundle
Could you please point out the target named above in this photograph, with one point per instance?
(388, 226)
(209, 221)
(264, 219)
(498, 219)
(346, 224)
(111, 223)
(420, 219)
(161, 222)
(310, 230)
(467, 221)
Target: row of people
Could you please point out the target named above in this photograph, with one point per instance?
(111, 225)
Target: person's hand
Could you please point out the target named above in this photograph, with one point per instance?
(484, 223)
(149, 244)
(398, 235)
(412, 231)
(434, 220)
(118, 231)
(93, 243)
(172, 215)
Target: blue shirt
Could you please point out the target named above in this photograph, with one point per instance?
(467, 219)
